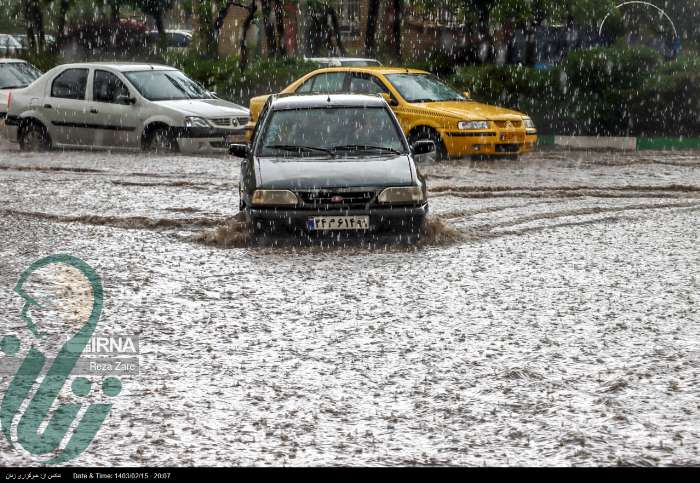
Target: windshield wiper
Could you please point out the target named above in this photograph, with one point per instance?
(177, 86)
(364, 147)
(13, 87)
(424, 100)
(298, 149)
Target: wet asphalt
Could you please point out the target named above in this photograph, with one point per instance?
(550, 317)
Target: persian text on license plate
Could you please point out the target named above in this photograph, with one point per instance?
(338, 223)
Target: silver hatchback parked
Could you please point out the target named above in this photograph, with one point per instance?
(122, 105)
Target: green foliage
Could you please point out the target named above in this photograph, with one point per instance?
(43, 61)
(224, 76)
(597, 92)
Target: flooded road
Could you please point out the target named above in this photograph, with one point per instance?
(550, 318)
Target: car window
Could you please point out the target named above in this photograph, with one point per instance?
(423, 88)
(106, 87)
(166, 85)
(179, 40)
(17, 74)
(366, 84)
(327, 83)
(70, 84)
(343, 129)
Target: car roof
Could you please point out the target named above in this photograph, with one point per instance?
(300, 101)
(373, 70)
(340, 58)
(120, 66)
(172, 31)
(13, 61)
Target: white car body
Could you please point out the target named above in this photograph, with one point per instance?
(75, 115)
(14, 79)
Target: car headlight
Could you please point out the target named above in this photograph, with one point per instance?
(408, 194)
(473, 124)
(196, 122)
(529, 124)
(274, 197)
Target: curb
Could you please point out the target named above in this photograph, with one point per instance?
(620, 143)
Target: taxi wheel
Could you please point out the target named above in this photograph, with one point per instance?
(34, 137)
(431, 135)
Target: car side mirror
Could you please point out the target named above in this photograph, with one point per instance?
(424, 146)
(389, 100)
(125, 99)
(238, 150)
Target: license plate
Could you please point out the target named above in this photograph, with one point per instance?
(512, 138)
(318, 223)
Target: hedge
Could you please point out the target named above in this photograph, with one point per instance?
(606, 92)
(262, 75)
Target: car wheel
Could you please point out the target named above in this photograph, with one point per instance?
(431, 135)
(161, 140)
(34, 137)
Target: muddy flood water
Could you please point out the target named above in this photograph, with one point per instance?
(549, 317)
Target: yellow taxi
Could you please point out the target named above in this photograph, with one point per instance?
(426, 107)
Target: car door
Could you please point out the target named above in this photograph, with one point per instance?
(66, 108)
(113, 115)
(363, 83)
(325, 83)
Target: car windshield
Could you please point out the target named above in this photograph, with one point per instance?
(166, 85)
(423, 88)
(9, 41)
(331, 132)
(14, 75)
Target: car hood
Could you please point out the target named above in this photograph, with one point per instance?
(472, 111)
(306, 173)
(205, 107)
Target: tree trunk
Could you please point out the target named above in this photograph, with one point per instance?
(268, 27)
(205, 37)
(483, 30)
(252, 8)
(279, 20)
(160, 26)
(63, 6)
(396, 28)
(34, 18)
(336, 31)
(371, 32)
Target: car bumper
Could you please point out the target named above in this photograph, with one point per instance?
(206, 140)
(8, 128)
(493, 142)
(398, 218)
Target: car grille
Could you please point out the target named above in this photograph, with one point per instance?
(229, 121)
(329, 200)
(507, 148)
(504, 124)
